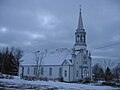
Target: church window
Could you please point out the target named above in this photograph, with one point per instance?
(85, 59)
(84, 56)
(50, 71)
(22, 70)
(78, 38)
(85, 62)
(65, 73)
(81, 38)
(84, 38)
(77, 62)
(85, 72)
(60, 71)
(77, 74)
(42, 70)
(65, 62)
(34, 70)
(28, 70)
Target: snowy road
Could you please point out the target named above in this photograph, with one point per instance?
(19, 84)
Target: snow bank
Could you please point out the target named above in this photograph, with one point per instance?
(59, 85)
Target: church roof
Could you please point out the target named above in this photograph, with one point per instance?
(51, 58)
(56, 58)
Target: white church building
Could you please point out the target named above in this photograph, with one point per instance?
(71, 67)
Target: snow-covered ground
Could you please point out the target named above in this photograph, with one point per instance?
(44, 85)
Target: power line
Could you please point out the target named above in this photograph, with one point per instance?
(114, 44)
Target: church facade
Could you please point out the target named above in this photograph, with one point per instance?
(73, 69)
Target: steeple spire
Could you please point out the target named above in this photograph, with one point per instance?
(80, 23)
(80, 34)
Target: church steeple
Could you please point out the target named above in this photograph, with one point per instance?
(80, 34)
(80, 22)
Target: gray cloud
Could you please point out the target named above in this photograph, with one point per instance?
(40, 24)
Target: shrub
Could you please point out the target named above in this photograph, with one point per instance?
(108, 83)
(86, 80)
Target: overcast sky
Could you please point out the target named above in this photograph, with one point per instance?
(36, 25)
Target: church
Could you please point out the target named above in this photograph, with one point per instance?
(72, 67)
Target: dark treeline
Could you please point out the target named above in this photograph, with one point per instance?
(106, 74)
(10, 60)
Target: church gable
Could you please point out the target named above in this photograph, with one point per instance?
(66, 62)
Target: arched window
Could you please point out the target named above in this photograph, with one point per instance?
(28, 69)
(85, 72)
(78, 38)
(65, 73)
(42, 70)
(35, 70)
(50, 71)
(81, 39)
(77, 74)
(85, 59)
(84, 38)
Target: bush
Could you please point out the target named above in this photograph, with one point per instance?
(86, 80)
(42, 78)
(108, 83)
(60, 79)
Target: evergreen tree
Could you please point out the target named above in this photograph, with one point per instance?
(9, 60)
(98, 72)
(108, 74)
(101, 73)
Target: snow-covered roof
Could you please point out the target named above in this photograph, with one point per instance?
(51, 58)
(56, 58)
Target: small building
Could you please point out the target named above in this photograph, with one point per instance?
(72, 67)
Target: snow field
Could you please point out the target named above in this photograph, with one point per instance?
(57, 85)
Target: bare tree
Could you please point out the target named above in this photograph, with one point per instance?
(107, 62)
(39, 55)
(116, 72)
